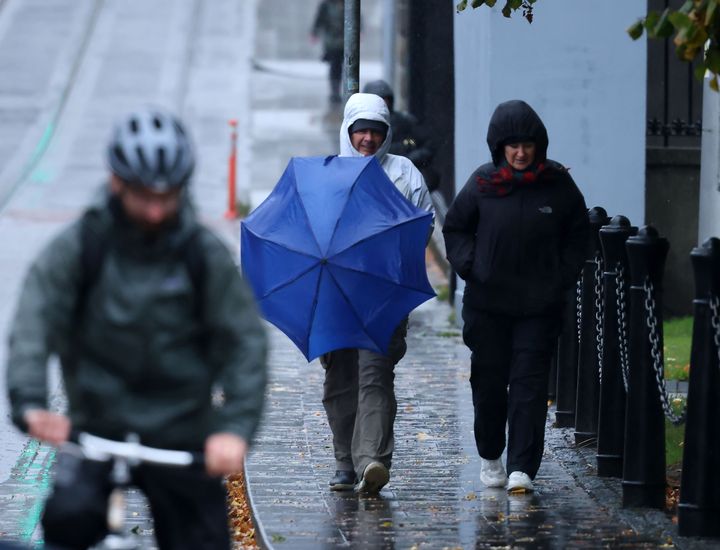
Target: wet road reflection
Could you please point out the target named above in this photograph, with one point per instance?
(365, 522)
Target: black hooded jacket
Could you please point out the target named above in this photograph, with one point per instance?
(517, 242)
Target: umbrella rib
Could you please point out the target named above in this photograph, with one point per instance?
(401, 285)
(349, 303)
(342, 210)
(314, 309)
(307, 218)
(348, 247)
(286, 283)
(282, 245)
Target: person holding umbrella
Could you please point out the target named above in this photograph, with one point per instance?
(516, 234)
(358, 392)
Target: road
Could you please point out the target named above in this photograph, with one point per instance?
(68, 68)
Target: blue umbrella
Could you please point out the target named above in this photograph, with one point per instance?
(336, 255)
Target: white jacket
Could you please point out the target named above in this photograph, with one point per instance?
(400, 170)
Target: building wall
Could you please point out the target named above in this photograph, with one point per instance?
(673, 187)
(584, 76)
(709, 223)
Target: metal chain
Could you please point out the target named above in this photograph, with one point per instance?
(715, 319)
(599, 313)
(578, 312)
(657, 354)
(621, 301)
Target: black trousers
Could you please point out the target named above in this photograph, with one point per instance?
(510, 362)
(189, 508)
(334, 59)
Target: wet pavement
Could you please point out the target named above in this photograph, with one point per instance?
(435, 498)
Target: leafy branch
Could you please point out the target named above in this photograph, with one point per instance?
(510, 6)
(696, 25)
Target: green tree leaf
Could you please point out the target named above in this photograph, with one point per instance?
(662, 28)
(636, 30)
(680, 20)
(712, 59)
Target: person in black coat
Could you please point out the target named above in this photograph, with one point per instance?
(516, 234)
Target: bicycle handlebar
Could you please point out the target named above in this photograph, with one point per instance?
(100, 449)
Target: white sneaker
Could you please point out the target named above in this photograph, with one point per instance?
(492, 473)
(519, 482)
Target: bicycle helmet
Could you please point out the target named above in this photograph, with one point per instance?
(151, 149)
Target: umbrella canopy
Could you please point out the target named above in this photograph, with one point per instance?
(336, 255)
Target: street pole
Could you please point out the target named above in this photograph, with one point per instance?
(351, 58)
(389, 42)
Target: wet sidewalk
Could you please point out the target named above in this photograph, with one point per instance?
(435, 498)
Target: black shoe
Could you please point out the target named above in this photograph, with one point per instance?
(344, 480)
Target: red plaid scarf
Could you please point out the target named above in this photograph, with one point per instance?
(504, 180)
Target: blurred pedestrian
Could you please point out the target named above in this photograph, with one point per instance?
(329, 24)
(516, 234)
(409, 139)
(359, 392)
(147, 312)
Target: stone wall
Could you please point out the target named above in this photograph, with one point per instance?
(671, 205)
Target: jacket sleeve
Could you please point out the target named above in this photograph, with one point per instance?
(237, 345)
(460, 228)
(42, 322)
(576, 232)
(420, 196)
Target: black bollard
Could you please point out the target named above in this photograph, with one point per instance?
(699, 508)
(611, 415)
(644, 459)
(587, 398)
(567, 361)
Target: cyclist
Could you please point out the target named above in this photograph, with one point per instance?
(156, 334)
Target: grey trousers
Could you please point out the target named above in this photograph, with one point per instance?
(359, 399)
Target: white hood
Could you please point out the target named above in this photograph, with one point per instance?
(370, 107)
(401, 171)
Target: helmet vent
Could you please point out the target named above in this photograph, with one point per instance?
(134, 126)
(161, 168)
(120, 155)
(157, 122)
(141, 158)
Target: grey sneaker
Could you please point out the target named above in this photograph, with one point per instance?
(519, 482)
(374, 478)
(492, 473)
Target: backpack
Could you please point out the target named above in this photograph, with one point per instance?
(94, 247)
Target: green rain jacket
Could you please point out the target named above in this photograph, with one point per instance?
(143, 355)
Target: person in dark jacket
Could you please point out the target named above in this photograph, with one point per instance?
(410, 139)
(329, 23)
(516, 234)
(144, 341)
